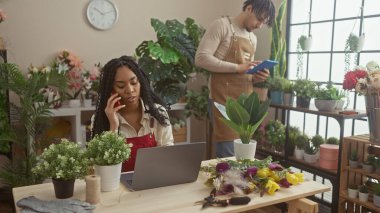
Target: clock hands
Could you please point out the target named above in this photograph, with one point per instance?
(99, 11)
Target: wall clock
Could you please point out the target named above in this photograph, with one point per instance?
(102, 14)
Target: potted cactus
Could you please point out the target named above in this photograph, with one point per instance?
(368, 163)
(353, 159)
(363, 193)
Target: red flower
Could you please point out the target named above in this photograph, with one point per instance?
(351, 78)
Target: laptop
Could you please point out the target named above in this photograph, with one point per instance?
(165, 166)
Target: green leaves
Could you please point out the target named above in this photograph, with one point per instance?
(245, 115)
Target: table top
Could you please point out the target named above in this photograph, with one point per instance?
(177, 198)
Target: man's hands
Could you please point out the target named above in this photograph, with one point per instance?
(260, 76)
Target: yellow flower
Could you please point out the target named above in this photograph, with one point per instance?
(274, 175)
(300, 177)
(271, 187)
(263, 173)
(292, 178)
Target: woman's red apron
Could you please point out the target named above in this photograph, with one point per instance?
(138, 142)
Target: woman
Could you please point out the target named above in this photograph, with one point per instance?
(128, 105)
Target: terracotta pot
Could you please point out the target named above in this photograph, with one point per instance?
(63, 188)
(328, 156)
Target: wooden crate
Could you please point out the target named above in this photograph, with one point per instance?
(358, 176)
(180, 135)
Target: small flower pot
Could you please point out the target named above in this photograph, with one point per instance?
(325, 105)
(310, 158)
(367, 167)
(244, 151)
(339, 105)
(299, 153)
(276, 97)
(353, 193)
(376, 200)
(63, 188)
(288, 99)
(109, 177)
(74, 103)
(303, 102)
(87, 102)
(363, 196)
(353, 164)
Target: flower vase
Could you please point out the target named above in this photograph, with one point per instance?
(87, 102)
(74, 103)
(244, 151)
(109, 177)
(63, 188)
(372, 102)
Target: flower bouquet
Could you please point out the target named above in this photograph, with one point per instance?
(366, 81)
(248, 176)
(90, 81)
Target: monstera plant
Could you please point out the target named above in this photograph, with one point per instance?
(169, 61)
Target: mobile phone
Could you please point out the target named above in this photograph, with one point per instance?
(267, 64)
(117, 102)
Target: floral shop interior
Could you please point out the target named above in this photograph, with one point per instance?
(248, 105)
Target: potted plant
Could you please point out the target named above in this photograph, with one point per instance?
(353, 191)
(303, 44)
(332, 140)
(288, 90)
(304, 90)
(353, 44)
(376, 195)
(353, 159)
(368, 163)
(107, 151)
(301, 141)
(275, 134)
(293, 133)
(311, 153)
(363, 193)
(63, 162)
(244, 116)
(276, 85)
(169, 61)
(327, 98)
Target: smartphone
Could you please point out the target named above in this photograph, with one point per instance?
(267, 64)
(117, 102)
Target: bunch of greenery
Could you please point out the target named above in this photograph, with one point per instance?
(301, 141)
(363, 189)
(332, 140)
(371, 159)
(354, 155)
(304, 88)
(32, 120)
(328, 93)
(275, 133)
(108, 148)
(310, 149)
(352, 43)
(64, 161)
(302, 42)
(245, 115)
(197, 103)
(169, 61)
(317, 141)
(288, 86)
(294, 132)
(276, 83)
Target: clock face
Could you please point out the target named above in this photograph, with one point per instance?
(102, 14)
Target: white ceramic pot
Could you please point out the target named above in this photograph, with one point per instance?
(363, 197)
(376, 200)
(325, 105)
(339, 104)
(308, 43)
(74, 103)
(299, 153)
(87, 102)
(353, 193)
(109, 177)
(244, 151)
(310, 158)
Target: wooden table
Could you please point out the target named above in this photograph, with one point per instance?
(177, 198)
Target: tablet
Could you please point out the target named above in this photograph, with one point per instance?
(267, 64)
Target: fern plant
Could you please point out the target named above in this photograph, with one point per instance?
(32, 118)
(169, 61)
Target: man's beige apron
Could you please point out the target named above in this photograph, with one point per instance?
(230, 84)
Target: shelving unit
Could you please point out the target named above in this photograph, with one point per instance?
(357, 176)
(75, 115)
(331, 175)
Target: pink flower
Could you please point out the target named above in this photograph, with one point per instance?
(3, 16)
(351, 78)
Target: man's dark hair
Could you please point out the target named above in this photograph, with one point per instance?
(263, 9)
(107, 80)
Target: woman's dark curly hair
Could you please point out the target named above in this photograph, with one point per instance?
(263, 9)
(107, 79)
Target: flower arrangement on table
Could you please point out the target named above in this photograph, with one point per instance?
(248, 176)
(363, 79)
(108, 148)
(62, 161)
(91, 80)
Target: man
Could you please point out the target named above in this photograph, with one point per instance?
(227, 50)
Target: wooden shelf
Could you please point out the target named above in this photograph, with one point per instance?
(363, 172)
(369, 204)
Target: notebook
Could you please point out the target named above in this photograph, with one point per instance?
(165, 166)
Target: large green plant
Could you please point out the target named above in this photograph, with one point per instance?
(31, 120)
(169, 61)
(278, 43)
(245, 115)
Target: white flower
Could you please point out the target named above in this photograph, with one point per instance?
(374, 79)
(361, 86)
(372, 66)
